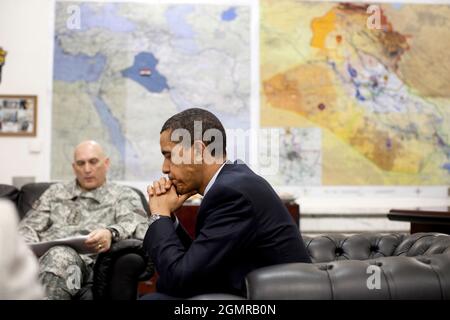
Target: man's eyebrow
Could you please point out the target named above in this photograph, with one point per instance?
(90, 159)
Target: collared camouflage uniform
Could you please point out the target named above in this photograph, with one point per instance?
(65, 210)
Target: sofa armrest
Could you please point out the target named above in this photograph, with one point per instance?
(103, 267)
(423, 277)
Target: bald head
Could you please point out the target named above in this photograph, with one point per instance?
(92, 146)
(90, 165)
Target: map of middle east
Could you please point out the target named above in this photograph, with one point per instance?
(120, 69)
(355, 104)
(379, 96)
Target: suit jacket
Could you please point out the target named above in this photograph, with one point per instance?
(241, 225)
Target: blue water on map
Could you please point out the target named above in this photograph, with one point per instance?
(79, 67)
(156, 82)
(229, 15)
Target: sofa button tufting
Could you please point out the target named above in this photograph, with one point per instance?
(325, 267)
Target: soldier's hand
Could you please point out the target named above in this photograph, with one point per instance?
(99, 240)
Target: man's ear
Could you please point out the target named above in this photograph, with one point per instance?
(107, 163)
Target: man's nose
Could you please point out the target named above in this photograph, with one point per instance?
(87, 168)
(165, 167)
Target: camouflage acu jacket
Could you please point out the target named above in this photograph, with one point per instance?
(65, 210)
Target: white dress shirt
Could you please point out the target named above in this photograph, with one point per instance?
(213, 179)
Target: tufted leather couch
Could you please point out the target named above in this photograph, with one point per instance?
(98, 286)
(364, 266)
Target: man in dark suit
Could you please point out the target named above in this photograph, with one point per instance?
(241, 225)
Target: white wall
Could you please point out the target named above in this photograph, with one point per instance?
(26, 33)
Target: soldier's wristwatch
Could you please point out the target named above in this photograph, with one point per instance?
(114, 234)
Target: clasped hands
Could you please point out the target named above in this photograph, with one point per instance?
(163, 197)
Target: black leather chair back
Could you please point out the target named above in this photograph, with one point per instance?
(9, 192)
(366, 246)
(29, 193)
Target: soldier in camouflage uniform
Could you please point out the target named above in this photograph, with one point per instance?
(90, 205)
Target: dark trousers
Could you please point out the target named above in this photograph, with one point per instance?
(125, 277)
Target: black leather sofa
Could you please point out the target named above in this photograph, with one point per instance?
(357, 267)
(98, 287)
(364, 266)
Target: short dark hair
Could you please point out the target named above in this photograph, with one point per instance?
(185, 120)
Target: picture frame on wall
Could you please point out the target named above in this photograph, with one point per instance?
(18, 115)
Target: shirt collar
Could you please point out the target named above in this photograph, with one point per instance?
(97, 194)
(213, 179)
